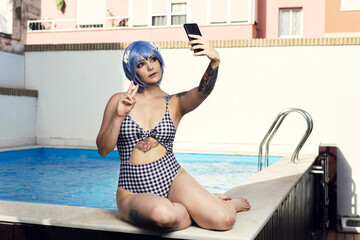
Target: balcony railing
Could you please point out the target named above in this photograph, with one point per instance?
(77, 24)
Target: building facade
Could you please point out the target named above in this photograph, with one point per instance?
(154, 20)
(14, 15)
(104, 21)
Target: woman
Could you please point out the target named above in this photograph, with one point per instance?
(154, 190)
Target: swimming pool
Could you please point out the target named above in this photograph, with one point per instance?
(79, 177)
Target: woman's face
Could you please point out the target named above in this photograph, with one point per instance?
(149, 71)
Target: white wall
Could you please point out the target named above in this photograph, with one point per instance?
(17, 113)
(17, 120)
(11, 70)
(254, 85)
(74, 88)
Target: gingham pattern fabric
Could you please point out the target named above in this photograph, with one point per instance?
(155, 177)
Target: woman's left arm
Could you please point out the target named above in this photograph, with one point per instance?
(190, 100)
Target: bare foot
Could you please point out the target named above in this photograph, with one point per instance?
(223, 197)
(241, 204)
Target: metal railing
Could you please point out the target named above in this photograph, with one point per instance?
(322, 190)
(274, 128)
(53, 25)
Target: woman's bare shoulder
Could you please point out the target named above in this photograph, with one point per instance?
(117, 96)
(114, 99)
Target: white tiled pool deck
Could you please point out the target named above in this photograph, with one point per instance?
(265, 191)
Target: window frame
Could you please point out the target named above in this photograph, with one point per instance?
(89, 21)
(169, 14)
(158, 15)
(290, 20)
(348, 5)
(229, 21)
(178, 13)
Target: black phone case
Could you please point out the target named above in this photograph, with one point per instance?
(192, 28)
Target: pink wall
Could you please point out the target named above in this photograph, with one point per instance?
(118, 7)
(261, 19)
(313, 16)
(229, 32)
(341, 21)
(49, 10)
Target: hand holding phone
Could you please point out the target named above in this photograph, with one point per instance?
(192, 28)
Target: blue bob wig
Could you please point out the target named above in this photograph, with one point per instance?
(136, 52)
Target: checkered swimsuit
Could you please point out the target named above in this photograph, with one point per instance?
(154, 177)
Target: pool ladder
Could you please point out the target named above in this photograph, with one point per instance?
(274, 128)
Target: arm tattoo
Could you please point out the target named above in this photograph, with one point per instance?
(207, 82)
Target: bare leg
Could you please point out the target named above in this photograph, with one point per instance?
(207, 210)
(150, 210)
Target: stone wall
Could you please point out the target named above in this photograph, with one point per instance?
(22, 12)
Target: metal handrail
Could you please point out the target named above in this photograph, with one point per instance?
(274, 128)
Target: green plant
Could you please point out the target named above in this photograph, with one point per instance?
(59, 4)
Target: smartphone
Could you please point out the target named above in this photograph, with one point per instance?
(192, 28)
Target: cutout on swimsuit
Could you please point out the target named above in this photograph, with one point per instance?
(147, 151)
(147, 144)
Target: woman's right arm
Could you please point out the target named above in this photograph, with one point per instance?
(117, 108)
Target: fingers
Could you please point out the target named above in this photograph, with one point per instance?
(195, 36)
(199, 43)
(134, 91)
(205, 47)
(129, 98)
(128, 92)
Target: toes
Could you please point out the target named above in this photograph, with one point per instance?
(223, 197)
(242, 204)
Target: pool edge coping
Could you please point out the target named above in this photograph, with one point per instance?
(247, 226)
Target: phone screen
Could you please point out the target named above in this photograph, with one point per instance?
(192, 28)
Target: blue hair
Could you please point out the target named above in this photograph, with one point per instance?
(134, 53)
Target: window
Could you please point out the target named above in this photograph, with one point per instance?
(169, 13)
(178, 13)
(239, 11)
(6, 16)
(218, 12)
(139, 13)
(290, 22)
(90, 14)
(348, 5)
(159, 20)
(229, 11)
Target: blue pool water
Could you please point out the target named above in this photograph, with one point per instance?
(79, 177)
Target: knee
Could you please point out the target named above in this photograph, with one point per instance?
(163, 216)
(223, 220)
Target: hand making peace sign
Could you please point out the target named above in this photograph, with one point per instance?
(128, 101)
